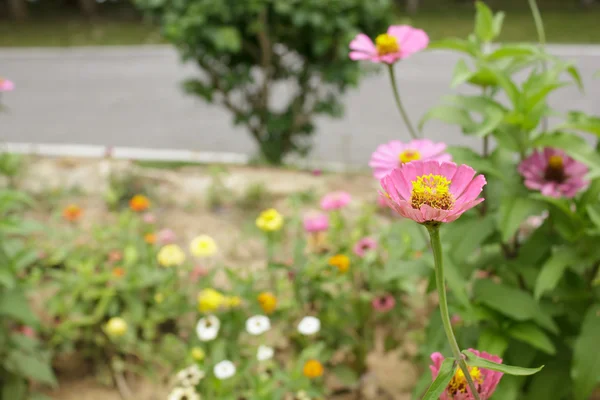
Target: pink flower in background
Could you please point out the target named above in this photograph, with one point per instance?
(149, 218)
(553, 173)
(317, 172)
(432, 192)
(364, 245)
(391, 155)
(166, 236)
(198, 272)
(335, 201)
(398, 43)
(485, 380)
(383, 303)
(28, 331)
(6, 85)
(316, 222)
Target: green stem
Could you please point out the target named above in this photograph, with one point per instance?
(411, 129)
(436, 245)
(539, 24)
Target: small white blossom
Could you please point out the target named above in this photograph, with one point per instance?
(309, 325)
(207, 328)
(264, 353)
(258, 324)
(184, 394)
(224, 370)
(190, 376)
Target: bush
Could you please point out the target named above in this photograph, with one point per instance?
(274, 64)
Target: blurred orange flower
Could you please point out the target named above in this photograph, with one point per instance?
(341, 262)
(268, 302)
(139, 202)
(72, 212)
(118, 272)
(150, 238)
(312, 369)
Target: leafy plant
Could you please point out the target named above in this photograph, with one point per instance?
(250, 50)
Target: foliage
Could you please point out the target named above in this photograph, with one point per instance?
(273, 64)
(534, 285)
(23, 357)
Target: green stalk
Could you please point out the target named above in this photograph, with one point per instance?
(539, 27)
(436, 245)
(411, 129)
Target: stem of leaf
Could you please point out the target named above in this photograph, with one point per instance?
(539, 27)
(436, 245)
(411, 129)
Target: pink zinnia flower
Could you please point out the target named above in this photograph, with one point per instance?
(166, 236)
(316, 222)
(383, 303)
(363, 245)
(398, 43)
(335, 201)
(6, 85)
(485, 380)
(391, 155)
(149, 218)
(432, 192)
(553, 173)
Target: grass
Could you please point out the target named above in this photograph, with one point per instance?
(562, 26)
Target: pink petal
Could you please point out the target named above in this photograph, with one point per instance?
(411, 40)
(461, 179)
(473, 189)
(357, 56)
(364, 44)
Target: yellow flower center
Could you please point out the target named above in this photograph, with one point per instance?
(408, 156)
(458, 384)
(555, 162)
(386, 44)
(555, 170)
(433, 190)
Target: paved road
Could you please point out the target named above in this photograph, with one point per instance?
(130, 96)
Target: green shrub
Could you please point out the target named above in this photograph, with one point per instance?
(273, 64)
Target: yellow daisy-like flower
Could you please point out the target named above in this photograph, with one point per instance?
(203, 246)
(233, 301)
(313, 369)
(210, 300)
(116, 327)
(198, 354)
(268, 302)
(170, 255)
(341, 262)
(269, 220)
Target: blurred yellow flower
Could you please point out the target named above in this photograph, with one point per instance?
(341, 262)
(268, 302)
(198, 353)
(159, 298)
(139, 202)
(210, 300)
(269, 220)
(116, 327)
(233, 301)
(170, 255)
(312, 369)
(203, 246)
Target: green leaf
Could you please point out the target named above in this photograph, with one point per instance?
(456, 283)
(346, 375)
(14, 388)
(529, 333)
(580, 121)
(455, 44)
(467, 235)
(450, 115)
(513, 211)
(440, 383)
(31, 367)
(497, 24)
(474, 361)
(484, 22)
(227, 38)
(466, 155)
(552, 382)
(552, 271)
(461, 74)
(594, 215)
(586, 357)
(13, 304)
(511, 51)
(492, 342)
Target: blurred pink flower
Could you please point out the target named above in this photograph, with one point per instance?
(456, 319)
(166, 236)
(335, 200)
(316, 222)
(381, 201)
(432, 192)
(553, 173)
(198, 272)
(6, 85)
(391, 155)
(485, 380)
(364, 245)
(28, 331)
(317, 172)
(149, 218)
(398, 43)
(115, 255)
(383, 303)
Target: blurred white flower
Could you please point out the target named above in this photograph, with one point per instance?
(184, 394)
(258, 324)
(190, 376)
(224, 370)
(207, 328)
(264, 353)
(301, 395)
(309, 325)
